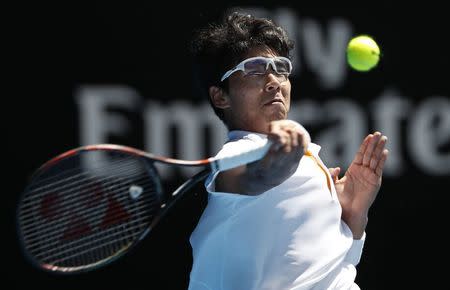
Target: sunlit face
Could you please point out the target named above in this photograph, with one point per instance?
(256, 100)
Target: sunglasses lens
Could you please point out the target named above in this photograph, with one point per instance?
(282, 66)
(255, 66)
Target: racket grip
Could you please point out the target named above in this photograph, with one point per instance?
(243, 158)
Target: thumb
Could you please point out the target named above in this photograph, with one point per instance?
(334, 172)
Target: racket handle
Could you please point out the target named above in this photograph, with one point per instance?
(249, 156)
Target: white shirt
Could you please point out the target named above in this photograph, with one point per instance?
(289, 237)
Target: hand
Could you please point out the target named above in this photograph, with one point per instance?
(359, 187)
(289, 142)
(287, 135)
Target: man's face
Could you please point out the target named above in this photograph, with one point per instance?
(256, 100)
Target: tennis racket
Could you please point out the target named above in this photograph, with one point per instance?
(89, 206)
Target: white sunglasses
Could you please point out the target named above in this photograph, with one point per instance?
(259, 65)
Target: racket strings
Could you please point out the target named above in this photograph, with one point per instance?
(67, 175)
(52, 236)
(92, 243)
(149, 200)
(98, 215)
(94, 254)
(42, 249)
(71, 195)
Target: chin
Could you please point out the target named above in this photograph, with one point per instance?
(278, 113)
(277, 117)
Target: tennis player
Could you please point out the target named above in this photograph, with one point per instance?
(286, 221)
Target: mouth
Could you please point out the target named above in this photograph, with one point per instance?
(275, 102)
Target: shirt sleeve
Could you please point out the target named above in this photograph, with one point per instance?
(354, 253)
(232, 148)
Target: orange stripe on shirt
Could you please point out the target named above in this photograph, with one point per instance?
(325, 170)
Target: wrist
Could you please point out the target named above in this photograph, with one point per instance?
(357, 224)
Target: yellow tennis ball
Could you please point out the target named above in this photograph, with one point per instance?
(363, 53)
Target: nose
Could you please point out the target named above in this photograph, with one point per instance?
(273, 83)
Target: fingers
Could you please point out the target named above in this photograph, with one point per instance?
(373, 141)
(372, 152)
(284, 140)
(334, 172)
(280, 141)
(359, 156)
(377, 154)
(288, 136)
(380, 165)
(305, 137)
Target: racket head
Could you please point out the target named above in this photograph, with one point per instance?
(88, 207)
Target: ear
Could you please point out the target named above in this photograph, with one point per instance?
(218, 97)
